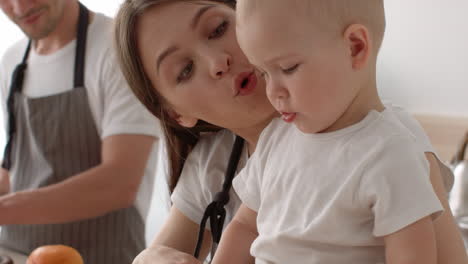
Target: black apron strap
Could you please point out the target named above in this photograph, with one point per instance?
(18, 79)
(81, 37)
(16, 85)
(215, 212)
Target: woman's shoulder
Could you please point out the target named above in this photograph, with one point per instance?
(214, 143)
(210, 154)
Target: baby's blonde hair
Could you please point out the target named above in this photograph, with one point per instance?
(334, 15)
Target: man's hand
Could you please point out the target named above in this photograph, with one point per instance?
(4, 182)
(164, 255)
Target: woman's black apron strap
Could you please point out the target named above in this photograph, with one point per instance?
(215, 212)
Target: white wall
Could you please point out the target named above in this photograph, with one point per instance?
(424, 59)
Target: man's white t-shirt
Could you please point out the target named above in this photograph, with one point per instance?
(114, 107)
(203, 173)
(332, 197)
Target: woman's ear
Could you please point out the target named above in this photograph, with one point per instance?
(185, 121)
(358, 40)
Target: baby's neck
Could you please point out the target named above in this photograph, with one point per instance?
(366, 100)
(251, 134)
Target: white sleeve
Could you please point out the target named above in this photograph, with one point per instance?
(123, 113)
(396, 186)
(4, 93)
(423, 141)
(191, 196)
(246, 184)
(5, 77)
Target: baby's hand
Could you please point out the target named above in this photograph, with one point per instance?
(164, 255)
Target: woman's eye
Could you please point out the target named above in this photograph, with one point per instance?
(185, 73)
(291, 69)
(219, 30)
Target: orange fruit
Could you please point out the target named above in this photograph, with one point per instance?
(55, 254)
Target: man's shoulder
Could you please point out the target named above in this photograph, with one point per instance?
(14, 54)
(99, 51)
(100, 35)
(101, 24)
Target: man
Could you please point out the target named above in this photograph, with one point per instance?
(80, 148)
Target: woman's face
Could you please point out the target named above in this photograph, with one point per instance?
(190, 53)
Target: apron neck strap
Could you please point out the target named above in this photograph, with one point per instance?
(26, 53)
(81, 37)
(215, 212)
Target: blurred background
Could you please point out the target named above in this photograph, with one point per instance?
(423, 66)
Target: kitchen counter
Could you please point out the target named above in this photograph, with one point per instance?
(17, 257)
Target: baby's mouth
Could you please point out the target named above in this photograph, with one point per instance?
(288, 117)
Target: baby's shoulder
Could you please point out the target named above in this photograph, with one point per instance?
(386, 135)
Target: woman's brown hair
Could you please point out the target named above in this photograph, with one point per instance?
(180, 140)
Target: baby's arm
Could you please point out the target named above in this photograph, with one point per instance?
(413, 244)
(237, 239)
(397, 187)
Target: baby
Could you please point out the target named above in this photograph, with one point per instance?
(346, 183)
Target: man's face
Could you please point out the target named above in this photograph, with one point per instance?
(36, 18)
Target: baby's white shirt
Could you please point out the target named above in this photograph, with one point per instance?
(330, 198)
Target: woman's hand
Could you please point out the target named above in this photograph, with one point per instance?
(164, 255)
(4, 182)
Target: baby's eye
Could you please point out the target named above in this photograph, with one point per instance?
(219, 30)
(185, 73)
(290, 69)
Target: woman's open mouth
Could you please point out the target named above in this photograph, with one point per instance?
(245, 83)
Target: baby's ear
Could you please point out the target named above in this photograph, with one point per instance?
(185, 121)
(358, 40)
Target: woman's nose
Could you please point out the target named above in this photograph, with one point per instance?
(220, 65)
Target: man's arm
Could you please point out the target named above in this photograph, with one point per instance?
(110, 186)
(237, 239)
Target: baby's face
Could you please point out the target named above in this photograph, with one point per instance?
(308, 71)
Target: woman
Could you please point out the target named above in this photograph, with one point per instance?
(182, 60)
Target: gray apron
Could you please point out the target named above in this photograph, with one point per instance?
(51, 139)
